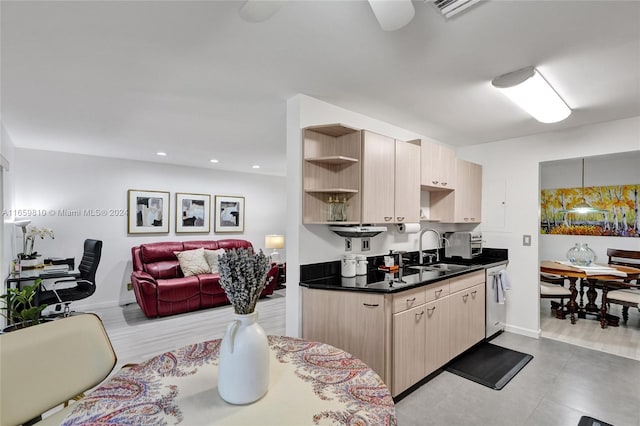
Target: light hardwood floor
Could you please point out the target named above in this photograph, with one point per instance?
(136, 338)
(623, 340)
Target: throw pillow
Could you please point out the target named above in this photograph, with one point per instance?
(192, 262)
(212, 259)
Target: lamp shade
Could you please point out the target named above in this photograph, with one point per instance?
(274, 241)
(528, 89)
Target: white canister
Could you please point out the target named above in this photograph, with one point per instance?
(348, 265)
(361, 264)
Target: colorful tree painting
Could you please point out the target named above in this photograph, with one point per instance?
(617, 212)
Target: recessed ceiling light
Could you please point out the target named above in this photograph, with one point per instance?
(162, 154)
(255, 166)
(213, 160)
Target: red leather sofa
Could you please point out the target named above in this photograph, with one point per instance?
(161, 288)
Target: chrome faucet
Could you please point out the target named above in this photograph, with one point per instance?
(421, 254)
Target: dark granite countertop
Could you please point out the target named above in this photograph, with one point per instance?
(326, 276)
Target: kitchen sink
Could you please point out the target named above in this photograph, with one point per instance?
(448, 267)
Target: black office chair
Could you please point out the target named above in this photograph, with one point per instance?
(85, 284)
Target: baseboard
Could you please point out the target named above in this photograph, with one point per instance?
(523, 331)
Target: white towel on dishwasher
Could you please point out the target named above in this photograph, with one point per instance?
(500, 284)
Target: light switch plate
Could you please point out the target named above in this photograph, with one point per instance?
(366, 244)
(347, 244)
(526, 240)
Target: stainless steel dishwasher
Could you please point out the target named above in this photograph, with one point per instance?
(495, 299)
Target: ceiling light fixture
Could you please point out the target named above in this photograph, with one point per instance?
(213, 160)
(528, 89)
(161, 154)
(255, 166)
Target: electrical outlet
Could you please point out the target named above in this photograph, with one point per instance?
(129, 287)
(526, 240)
(366, 244)
(347, 244)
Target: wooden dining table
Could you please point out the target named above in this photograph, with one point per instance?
(575, 273)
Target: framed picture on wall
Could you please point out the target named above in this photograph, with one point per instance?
(229, 214)
(193, 213)
(148, 212)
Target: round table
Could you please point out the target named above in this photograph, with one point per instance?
(310, 383)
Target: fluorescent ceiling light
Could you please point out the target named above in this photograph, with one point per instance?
(255, 166)
(531, 92)
(161, 154)
(213, 160)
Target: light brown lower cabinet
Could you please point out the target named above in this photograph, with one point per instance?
(438, 335)
(401, 341)
(467, 318)
(356, 322)
(409, 337)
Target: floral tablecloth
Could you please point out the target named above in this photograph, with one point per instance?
(310, 383)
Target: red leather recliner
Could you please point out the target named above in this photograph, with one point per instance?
(161, 289)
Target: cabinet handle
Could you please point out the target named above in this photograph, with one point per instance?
(444, 183)
(371, 305)
(438, 293)
(387, 218)
(430, 310)
(466, 219)
(473, 293)
(465, 297)
(411, 300)
(435, 182)
(400, 218)
(418, 316)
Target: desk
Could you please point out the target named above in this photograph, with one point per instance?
(33, 274)
(574, 273)
(310, 382)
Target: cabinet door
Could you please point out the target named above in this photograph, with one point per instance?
(462, 192)
(351, 321)
(447, 167)
(407, 182)
(378, 178)
(438, 332)
(477, 317)
(475, 193)
(459, 315)
(408, 348)
(437, 166)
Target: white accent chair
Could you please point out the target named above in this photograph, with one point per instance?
(49, 364)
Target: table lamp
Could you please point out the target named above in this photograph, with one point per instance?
(274, 242)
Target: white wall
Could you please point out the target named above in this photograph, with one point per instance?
(612, 169)
(50, 181)
(512, 167)
(315, 242)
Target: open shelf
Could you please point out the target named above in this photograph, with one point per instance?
(333, 190)
(333, 159)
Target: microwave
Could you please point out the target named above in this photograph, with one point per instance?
(466, 245)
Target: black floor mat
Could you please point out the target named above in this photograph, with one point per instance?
(490, 365)
(590, 421)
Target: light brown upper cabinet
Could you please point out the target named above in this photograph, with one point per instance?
(331, 170)
(438, 167)
(390, 179)
(464, 204)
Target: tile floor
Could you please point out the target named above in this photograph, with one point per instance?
(562, 383)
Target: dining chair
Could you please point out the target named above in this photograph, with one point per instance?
(552, 287)
(49, 364)
(622, 291)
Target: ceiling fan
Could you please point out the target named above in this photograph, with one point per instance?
(391, 14)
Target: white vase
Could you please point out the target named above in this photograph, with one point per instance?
(243, 367)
